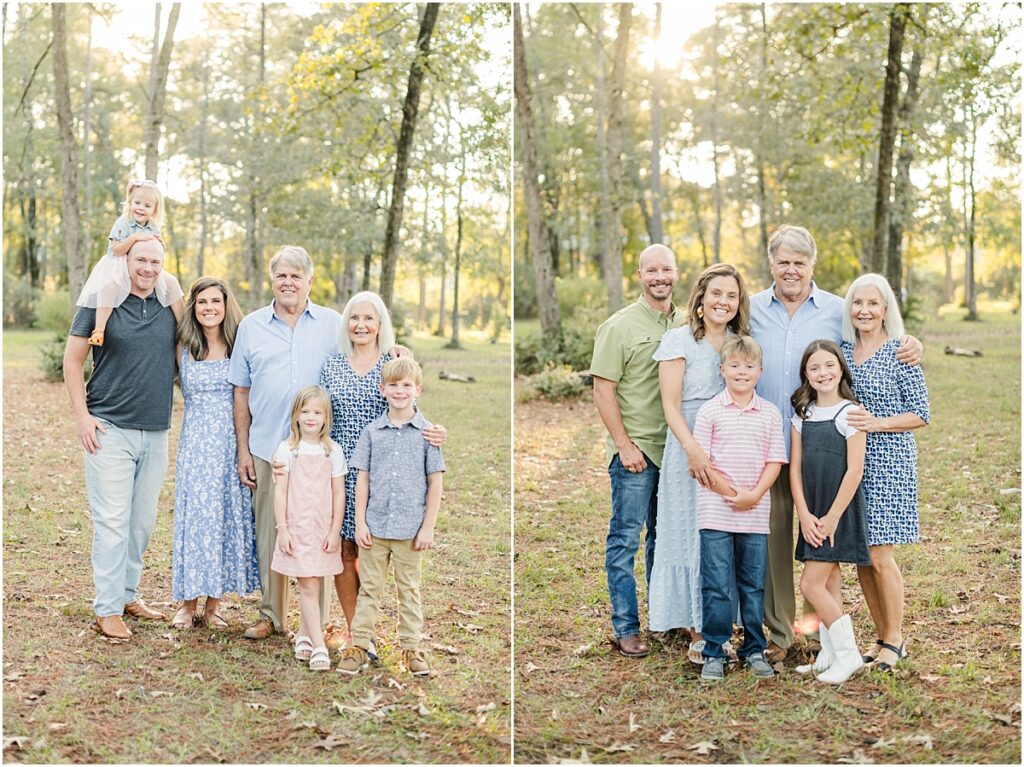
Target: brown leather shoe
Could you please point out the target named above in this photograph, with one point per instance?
(139, 609)
(261, 629)
(775, 654)
(112, 626)
(631, 647)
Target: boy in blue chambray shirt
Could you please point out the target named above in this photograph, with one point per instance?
(398, 497)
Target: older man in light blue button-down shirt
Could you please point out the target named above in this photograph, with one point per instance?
(278, 350)
(784, 319)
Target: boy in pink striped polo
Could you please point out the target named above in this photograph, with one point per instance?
(742, 435)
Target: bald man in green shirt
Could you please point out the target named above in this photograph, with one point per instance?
(629, 403)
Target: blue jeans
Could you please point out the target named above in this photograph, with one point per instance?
(122, 481)
(634, 504)
(731, 561)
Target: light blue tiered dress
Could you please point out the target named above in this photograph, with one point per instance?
(674, 595)
(214, 529)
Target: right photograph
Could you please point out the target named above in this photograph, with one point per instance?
(767, 335)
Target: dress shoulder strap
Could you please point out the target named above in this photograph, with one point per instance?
(840, 410)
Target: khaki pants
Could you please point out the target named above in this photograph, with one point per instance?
(274, 598)
(373, 574)
(779, 591)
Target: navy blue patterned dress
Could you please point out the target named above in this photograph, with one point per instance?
(355, 402)
(214, 530)
(887, 387)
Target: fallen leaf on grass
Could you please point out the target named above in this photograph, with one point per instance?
(929, 677)
(464, 613)
(857, 757)
(959, 609)
(472, 628)
(1006, 719)
(583, 759)
(633, 726)
(159, 694)
(1001, 598)
(256, 706)
(668, 737)
(618, 748)
(418, 735)
(445, 648)
(195, 675)
(119, 694)
(922, 740)
(422, 710)
(486, 707)
(35, 695)
(304, 726)
(331, 741)
(583, 649)
(18, 742)
(12, 676)
(883, 743)
(703, 748)
(56, 726)
(392, 682)
(554, 715)
(530, 667)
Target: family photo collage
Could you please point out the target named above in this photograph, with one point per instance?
(511, 383)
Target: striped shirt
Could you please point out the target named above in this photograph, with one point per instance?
(740, 442)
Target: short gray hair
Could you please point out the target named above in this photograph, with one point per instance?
(294, 256)
(794, 238)
(386, 334)
(893, 321)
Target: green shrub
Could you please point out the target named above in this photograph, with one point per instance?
(575, 293)
(19, 302)
(53, 311)
(535, 351)
(554, 382)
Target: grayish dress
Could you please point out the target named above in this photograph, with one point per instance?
(674, 595)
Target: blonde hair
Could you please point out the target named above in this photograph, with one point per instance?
(307, 396)
(386, 331)
(190, 332)
(740, 347)
(892, 322)
(158, 209)
(399, 368)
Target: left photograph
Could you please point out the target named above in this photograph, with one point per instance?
(256, 378)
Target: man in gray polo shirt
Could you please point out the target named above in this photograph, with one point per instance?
(123, 417)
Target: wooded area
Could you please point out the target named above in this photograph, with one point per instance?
(374, 135)
(890, 131)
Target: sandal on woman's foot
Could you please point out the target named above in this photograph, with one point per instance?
(696, 653)
(214, 621)
(303, 647)
(183, 619)
(319, 660)
(885, 665)
(870, 656)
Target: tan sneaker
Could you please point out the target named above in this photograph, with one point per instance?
(416, 661)
(353, 660)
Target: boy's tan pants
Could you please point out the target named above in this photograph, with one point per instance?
(373, 574)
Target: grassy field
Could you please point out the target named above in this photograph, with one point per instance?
(201, 696)
(956, 698)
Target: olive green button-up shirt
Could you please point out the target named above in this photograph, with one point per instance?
(624, 352)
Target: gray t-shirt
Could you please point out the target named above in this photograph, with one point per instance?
(132, 379)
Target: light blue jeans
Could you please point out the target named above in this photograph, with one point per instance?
(122, 481)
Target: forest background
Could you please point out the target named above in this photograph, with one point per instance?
(892, 132)
(265, 124)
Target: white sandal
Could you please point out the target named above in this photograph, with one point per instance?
(303, 647)
(319, 660)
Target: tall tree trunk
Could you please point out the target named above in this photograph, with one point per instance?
(717, 232)
(409, 111)
(611, 217)
(454, 343)
(762, 187)
(87, 142)
(970, 206)
(948, 214)
(902, 204)
(657, 236)
(70, 218)
(204, 117)
(442, 314)
(540, 248)
(693, 193)
(159, 66)
(887, 138)
(253, 247)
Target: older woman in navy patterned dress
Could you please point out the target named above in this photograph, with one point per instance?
(894, 401)
(352, 380)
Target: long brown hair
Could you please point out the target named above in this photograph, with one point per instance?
(740, 324)
(190, 332)
(805, 395)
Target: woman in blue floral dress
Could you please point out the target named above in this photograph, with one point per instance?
(352, 380)
(895, 401)
(214, 534)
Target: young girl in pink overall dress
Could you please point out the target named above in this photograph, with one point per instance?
(309, 504)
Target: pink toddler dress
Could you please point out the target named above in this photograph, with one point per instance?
(310, 508)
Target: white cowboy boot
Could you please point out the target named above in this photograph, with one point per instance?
(847, 660)
(825, 656)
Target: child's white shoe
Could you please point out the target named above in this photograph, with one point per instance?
(825, 655)
(846, 661)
